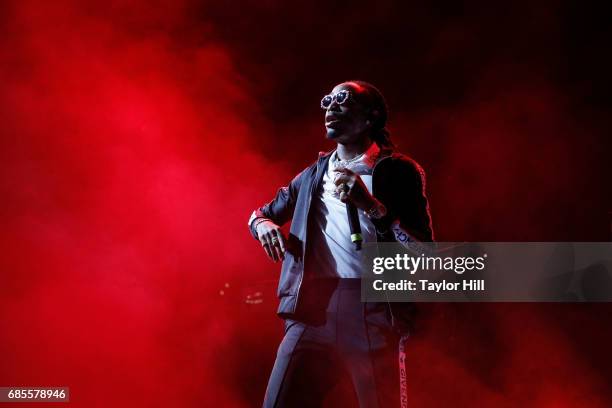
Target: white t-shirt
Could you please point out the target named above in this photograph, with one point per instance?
(330, 252)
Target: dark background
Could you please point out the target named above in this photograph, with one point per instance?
(137, 137)
(505, 105)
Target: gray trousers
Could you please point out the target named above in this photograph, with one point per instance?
(336, 336)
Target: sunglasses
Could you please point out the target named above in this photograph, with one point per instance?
(341, 97)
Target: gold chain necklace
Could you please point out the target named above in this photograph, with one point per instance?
(345, 163)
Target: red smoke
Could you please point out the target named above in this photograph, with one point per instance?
(125, 197)
(133, 150)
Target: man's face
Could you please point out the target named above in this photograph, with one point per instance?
(348, 122)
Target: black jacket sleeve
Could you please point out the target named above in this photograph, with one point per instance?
(280, 209)
(405, 198)
(411, 209)
(413, 213)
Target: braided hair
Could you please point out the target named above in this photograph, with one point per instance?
(373, 99)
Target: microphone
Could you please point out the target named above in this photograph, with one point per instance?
(354, 225)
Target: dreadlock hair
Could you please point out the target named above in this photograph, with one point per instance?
(373, 100)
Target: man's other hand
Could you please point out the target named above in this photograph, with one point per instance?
(272, 240)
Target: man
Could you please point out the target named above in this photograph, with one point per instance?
(329, 333)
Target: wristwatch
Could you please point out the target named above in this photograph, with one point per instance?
(255, 220)
(377, 211)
